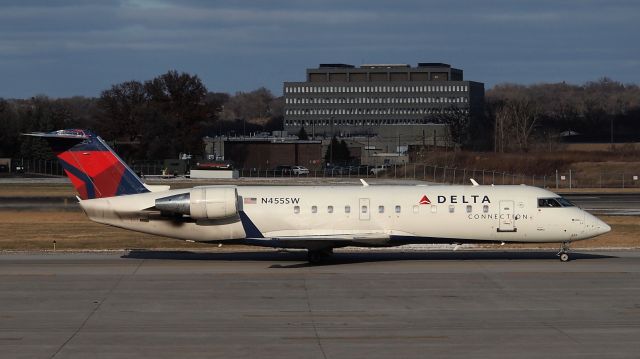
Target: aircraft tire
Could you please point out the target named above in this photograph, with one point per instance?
(564, 257)
(313, 257)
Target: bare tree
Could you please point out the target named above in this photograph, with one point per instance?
(458, 122)
(123, 106)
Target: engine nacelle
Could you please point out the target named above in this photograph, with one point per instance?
(202, 203)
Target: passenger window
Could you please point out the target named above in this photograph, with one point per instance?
(380, 209)
(415, 209)
(314, 209)
(347, 209)
(398, 209)
(434, 209)
(452, 208)
(364, 209)
(296, 209)
(330, 209)
(469, 208)
(485, 208)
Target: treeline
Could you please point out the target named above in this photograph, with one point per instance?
(520, 118)
(154, 119)
(170, 114)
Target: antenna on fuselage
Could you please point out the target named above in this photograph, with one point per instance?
(364, 183)
(473, 182)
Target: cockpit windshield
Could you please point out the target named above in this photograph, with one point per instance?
(554, 202)
(565, 202)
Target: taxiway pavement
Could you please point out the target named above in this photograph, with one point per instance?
(611, 204)
(359, 305)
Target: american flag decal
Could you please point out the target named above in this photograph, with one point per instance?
(250, 200)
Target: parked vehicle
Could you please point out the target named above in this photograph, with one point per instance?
(283, 170)
(377, 169)
(299, 170)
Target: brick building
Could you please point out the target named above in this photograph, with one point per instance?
(268, 152)
(341, 99)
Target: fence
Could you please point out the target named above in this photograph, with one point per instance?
(37, 167)
(560, 179)
(411, 171)
(53, 167)
(147, 168)
(601, 179)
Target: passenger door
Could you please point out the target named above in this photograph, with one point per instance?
(506, 221)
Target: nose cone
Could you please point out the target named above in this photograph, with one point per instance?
(595, 226)
(602, 228)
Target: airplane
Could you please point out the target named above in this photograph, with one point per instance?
(316, 218)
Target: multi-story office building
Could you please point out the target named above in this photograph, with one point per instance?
(340, 99)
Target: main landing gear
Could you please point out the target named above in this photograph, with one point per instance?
(563, 254)
(315, 256)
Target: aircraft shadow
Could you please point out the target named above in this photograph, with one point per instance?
(342, 258)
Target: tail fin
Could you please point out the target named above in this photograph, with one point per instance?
(94, 169)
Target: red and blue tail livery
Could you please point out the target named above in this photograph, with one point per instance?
(94, 169)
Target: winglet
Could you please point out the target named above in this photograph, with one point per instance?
(473, 182)
(364, 183)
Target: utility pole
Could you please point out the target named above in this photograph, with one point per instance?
(331, 151)
(611, 133)
(313, 129)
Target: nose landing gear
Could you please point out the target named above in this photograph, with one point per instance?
(563, 254)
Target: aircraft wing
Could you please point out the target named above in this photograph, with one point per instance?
(322, 241)
(359, 237)
(256, 237)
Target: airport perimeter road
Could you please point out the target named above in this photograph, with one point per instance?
(359, 305)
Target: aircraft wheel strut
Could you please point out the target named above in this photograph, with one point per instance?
(564, 248)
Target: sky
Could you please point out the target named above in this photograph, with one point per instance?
(63, 48)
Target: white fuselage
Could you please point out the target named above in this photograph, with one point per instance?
(408, 213)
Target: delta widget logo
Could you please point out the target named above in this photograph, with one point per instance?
(425, 200)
